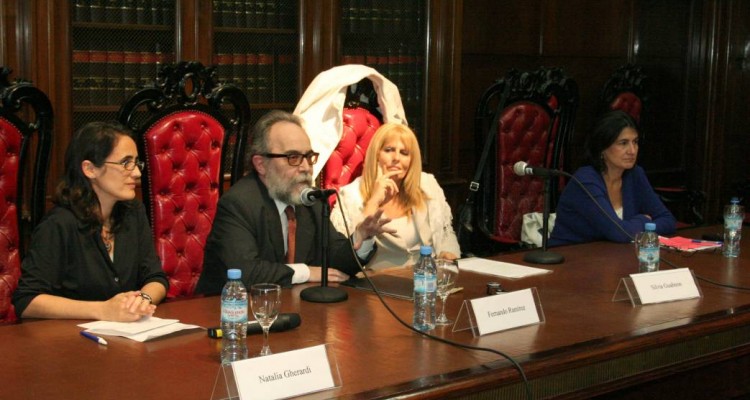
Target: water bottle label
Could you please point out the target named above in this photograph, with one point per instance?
(648, 254)
(733, 222)
(234, 311)
(425, 284)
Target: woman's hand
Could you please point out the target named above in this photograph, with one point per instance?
(385, 188)
(126, 307)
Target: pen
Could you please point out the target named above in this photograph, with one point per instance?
(93, 337)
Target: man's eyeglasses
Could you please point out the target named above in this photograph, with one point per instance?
(295, 159)
(129, 164)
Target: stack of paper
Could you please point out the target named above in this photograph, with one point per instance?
(144, 329)
(498, 268)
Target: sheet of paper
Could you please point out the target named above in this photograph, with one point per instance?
(141, 330)
(498, 268)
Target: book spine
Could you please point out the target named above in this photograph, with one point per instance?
(251, 71)
(80, 69)
(264, 80)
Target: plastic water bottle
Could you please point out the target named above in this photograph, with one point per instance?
(648, 249)
(233, 318)
(734, 214)
(425, 290)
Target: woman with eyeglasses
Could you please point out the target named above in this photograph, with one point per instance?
(393, 183)
(92, 256)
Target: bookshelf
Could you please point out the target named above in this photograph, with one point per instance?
(117, 47)
(389, 36)
(256, 46)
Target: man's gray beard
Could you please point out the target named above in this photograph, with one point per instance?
(283, 191)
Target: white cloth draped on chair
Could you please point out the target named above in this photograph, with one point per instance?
(322, 104)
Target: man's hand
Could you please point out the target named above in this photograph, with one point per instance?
(334, 275)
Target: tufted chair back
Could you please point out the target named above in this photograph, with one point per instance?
(360, 121)
(188, 137)
(25, 124)
(536, 111)
(625, 90)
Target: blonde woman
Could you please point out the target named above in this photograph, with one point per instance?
(392, 180)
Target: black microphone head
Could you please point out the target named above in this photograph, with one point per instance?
(306, 196)
(284, 322)
(520, 168)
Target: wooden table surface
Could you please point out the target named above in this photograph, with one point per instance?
(587, 346)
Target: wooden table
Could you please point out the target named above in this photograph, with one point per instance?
(588, 346)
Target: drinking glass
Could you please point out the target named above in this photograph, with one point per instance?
(447, 273)
(265, 300)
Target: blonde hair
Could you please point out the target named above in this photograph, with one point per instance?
(410, 193)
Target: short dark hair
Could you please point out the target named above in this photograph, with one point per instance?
(259, 144)
(606, 130)
(94, 142)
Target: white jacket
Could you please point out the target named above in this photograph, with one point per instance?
(322, 105)
(434, 225)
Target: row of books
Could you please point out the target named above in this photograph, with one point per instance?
(146, 12)
(265, 77)
(382, 16)
(272, 14)
(110, 77)
(405, 71)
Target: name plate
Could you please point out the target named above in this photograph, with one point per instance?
(505, 311)
(663, 286)
(282, 375)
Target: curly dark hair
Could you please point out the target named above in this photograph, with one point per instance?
(94, 142)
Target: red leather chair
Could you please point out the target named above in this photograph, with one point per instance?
(536, 114)
(190, 130)
(360, 121)
(25, 124)
(626, 90)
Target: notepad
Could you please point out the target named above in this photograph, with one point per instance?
(687, 244)
(144, 329)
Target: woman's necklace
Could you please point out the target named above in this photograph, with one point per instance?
(108, 238)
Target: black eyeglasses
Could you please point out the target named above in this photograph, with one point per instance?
(295, 159)
(129, 164)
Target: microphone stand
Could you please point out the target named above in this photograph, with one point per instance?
(324, 293)
(543, 256)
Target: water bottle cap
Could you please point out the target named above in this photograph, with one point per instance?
(650, 226)
(234, 273)
(425, 250)
(735, 200)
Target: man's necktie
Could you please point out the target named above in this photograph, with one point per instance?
(291, 233)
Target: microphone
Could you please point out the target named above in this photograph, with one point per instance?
(521, 168)
(284, 322)
(309, 195)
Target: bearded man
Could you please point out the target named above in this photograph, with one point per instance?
(250, 229)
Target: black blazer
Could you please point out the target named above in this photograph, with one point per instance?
(247, 234)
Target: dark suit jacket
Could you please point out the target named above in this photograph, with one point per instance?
(246, 234)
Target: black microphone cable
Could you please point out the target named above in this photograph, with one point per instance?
(515, 363)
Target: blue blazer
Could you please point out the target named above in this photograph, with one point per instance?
(579, 219)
